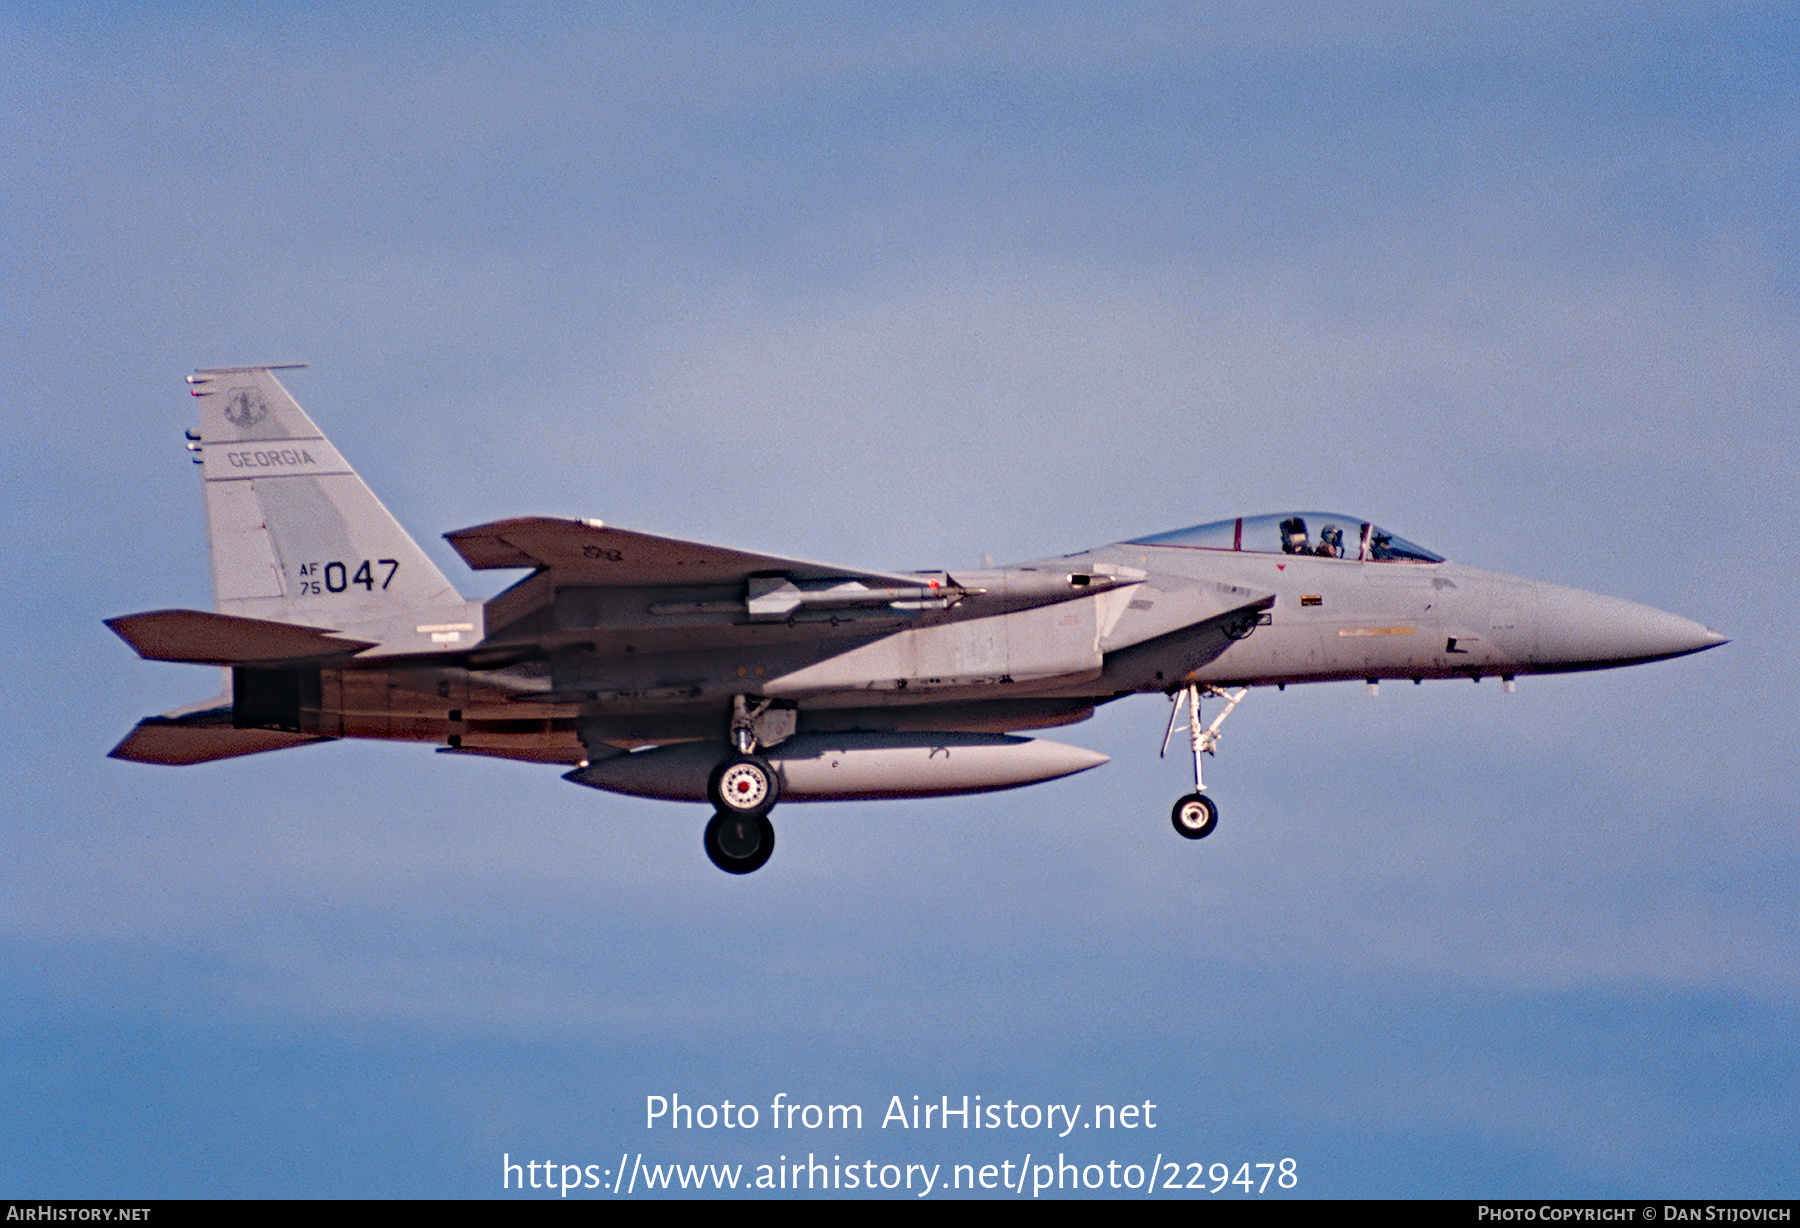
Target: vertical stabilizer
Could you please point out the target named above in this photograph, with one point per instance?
(296, 535)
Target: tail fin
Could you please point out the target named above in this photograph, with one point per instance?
(296, 536)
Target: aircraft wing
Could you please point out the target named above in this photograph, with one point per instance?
(587, 552)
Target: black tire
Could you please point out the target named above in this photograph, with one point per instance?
(744, 785)
(738, 843)
(1195, 816)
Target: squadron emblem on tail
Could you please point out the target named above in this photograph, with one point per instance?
(244, 407)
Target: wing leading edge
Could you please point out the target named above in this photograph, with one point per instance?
(587, 552)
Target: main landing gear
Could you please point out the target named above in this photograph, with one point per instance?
(1195, 815)
(743, 785)
(739, 844)
(743, 789)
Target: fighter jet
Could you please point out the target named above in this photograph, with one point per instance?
(671, 669)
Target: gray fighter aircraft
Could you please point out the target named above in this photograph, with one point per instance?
(672, 669)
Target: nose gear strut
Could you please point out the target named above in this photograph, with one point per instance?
(1195, 815)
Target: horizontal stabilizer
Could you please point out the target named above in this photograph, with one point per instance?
(201, 736)
(199, 638)
(584, 552)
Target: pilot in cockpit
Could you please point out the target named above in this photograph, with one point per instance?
(1293, 536)
(1331, 542)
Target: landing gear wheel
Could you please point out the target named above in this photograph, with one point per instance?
(739, 843)
(743, 784)
(1195, 816)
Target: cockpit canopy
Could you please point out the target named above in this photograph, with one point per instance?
(1320, 534)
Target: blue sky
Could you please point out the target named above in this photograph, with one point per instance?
(897, 287)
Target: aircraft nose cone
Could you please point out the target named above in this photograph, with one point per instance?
(1578, 628)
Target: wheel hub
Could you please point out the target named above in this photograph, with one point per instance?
(743, 787)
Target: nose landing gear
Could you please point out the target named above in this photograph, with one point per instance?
(1195, 815)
